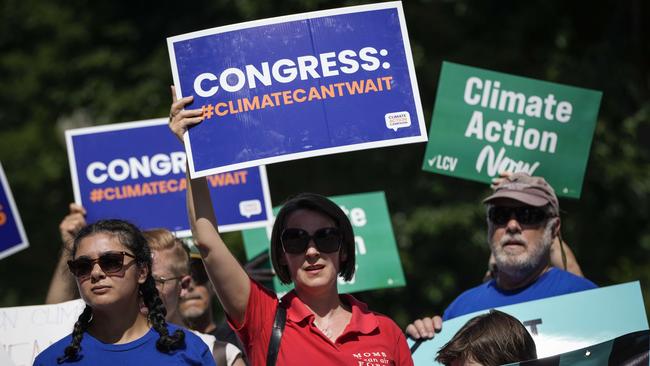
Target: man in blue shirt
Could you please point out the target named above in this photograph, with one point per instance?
(523, 221)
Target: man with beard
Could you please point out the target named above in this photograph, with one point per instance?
(195, 305)
(523, 217)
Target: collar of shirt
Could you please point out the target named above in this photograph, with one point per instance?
(363, 321)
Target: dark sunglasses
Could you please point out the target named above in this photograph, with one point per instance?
(197, 272)
(109, 262)
(525, 215)
(295, 241)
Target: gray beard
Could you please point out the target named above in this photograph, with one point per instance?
(192, 313)
(523, 265)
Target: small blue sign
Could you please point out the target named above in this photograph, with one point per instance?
(136, 171)
(298, 86)
(12, 233)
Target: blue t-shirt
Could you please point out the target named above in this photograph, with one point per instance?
(487, 295)
(140, 352)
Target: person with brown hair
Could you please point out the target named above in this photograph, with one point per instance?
(312, 245)
(171, 272)
(491, 339)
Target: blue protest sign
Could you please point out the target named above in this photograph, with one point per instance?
(298, 86)
(562, 323)
(12, 233)
(136, 171)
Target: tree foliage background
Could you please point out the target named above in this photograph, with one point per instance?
(66, 64)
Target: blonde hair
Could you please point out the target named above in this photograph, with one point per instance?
(162, 239)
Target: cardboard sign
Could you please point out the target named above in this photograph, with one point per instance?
(12, 233)
(630, 349)
(486, 122)
(136, 171)
(377, 260)
(298, 86)
(562, 323)
(25, 331)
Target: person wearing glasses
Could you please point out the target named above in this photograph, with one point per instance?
(171, 272)
(195, 307)
(523, 217)
(312, 244)
(111, 262)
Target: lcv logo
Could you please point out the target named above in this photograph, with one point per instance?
(447, 163)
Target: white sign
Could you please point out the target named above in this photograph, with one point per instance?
(25, 331)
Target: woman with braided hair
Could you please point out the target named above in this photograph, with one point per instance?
(112, 265)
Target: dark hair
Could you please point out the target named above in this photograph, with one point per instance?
(491, 339)
(322, 205)
(131, 237)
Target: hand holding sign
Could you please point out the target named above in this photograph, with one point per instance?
(424, 328)
(72, 223)
(181, 119)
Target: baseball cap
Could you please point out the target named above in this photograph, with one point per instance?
(522, 187)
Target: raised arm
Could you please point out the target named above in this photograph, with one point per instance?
(62, 287)
(229, 279)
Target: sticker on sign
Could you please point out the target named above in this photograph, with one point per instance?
(397, 120)
(250, 208)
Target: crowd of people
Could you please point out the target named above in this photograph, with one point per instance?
(148, 297)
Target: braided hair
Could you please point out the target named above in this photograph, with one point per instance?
(131, 237)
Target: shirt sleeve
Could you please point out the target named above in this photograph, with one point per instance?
(231, 353)
(402, 351)
(258, 318)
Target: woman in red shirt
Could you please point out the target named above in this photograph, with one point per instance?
(311, 245)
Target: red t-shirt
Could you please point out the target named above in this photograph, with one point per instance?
(369, 339)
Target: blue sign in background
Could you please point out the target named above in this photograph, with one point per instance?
(139, 140)
(12, 235)
(298, 127)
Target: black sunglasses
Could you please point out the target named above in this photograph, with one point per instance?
(525, 215)
(197, 272)
(109, 262)
(295, 241)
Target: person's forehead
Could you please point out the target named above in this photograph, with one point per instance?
(162, 262)
(96, 244)
(308, 219)
(507, 202)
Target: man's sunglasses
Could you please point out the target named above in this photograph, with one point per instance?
(525, 215)
(109, 262)
(295, 241)
(197, 272)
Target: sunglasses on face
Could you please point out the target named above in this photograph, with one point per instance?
(197, 272)
(295, 241)
(109, 262)
(525, 215)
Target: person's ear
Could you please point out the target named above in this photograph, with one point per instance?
(185, 285)
(556, 227)
(143, 272)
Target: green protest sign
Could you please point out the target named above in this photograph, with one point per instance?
(378, 263)
(485, 122)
